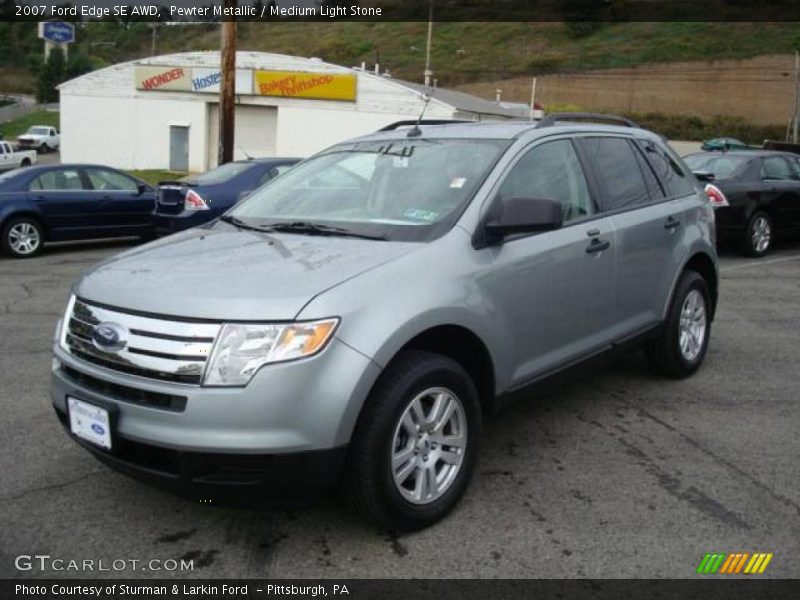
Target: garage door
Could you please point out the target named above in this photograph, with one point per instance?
(254, 132)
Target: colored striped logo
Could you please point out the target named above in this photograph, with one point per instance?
(735, 563)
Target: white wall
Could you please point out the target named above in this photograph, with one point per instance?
(303, 132)
(128, 132)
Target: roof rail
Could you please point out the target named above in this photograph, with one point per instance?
(412, 122)
(554, 118)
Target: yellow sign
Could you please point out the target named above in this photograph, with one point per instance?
(290, 84)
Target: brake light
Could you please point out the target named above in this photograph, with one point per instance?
(194, 201)
(715, 196)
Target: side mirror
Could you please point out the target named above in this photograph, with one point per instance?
(524, 215)
(705, 176)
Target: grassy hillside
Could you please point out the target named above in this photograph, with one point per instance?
(462, 52)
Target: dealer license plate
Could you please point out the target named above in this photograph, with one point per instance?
(90, 422)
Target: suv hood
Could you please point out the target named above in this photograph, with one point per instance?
(220, 272)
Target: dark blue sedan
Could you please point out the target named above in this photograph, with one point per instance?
(198, 199)
(55, 203)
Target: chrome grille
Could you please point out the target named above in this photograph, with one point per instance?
(157, 348)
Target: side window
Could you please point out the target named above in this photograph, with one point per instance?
(775, 167)
(618, 172)
(111, 181)
(59, 180)
(673, 177)
(552, 171)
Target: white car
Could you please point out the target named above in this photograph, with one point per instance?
(11, 159)
(41, 137)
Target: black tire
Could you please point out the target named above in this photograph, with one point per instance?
(369, 481)
(748, 244)
(25, 162)
(42, 149)
(664, 353)
(7, 244)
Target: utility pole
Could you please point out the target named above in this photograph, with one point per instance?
(227, 87)
(154, 27)
(428, 72)
(796, 95)
(533, 98)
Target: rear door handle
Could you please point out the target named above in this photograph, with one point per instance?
(597, 245)
(671, 224)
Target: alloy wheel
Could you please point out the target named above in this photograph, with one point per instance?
(24, 238)
(429, 444)
(692, 327)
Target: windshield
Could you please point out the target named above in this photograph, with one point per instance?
(39, 131)
(221, 174)
(723, 166)
(398, 190)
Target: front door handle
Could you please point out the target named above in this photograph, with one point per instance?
(597, 245)
(671, 224)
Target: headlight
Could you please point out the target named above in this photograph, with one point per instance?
(242, 348)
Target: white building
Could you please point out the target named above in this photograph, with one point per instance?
(162, 112)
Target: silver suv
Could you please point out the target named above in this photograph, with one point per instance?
(353, 321)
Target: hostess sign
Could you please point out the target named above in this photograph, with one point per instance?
(208, 80)
(57, 32)
(322, 86)
(284, 84)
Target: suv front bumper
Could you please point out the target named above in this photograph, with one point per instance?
(288, 427)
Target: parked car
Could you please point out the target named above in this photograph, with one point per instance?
(13, 159)
(755, 193)
(201, 198)
(41, 137)
(723, 143)
(354, 319)
(57, 203)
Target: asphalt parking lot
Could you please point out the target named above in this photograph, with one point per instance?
(615, 474)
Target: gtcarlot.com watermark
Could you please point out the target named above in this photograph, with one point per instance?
(46, 562)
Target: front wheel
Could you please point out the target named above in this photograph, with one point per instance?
(758, 236)
(681, 348)
(416, 443)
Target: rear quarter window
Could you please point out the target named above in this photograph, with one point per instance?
(618, 173)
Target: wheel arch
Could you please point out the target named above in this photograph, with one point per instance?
(31, 214)
(704, 265)
(464, 346)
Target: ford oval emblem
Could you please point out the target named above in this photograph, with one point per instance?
(109, 337)
(98, 429)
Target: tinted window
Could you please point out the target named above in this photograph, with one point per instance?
(551, 171)
(618, 172)
(58, 180)
(775, 167)
(111, 181)
(676, 182)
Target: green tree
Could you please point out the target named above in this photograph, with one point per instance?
(55, 70)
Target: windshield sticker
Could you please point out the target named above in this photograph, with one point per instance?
(421, 215)
(458, 183)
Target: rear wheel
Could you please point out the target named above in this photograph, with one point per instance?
(681, 348)
(25, 162)
(416, 443)
(758, 236)
(22, 237)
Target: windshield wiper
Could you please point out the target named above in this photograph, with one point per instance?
(317, 229)
(237, 222)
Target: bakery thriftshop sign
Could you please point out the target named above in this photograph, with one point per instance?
(282, 84)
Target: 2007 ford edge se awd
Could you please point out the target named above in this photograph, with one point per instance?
(351, 322)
